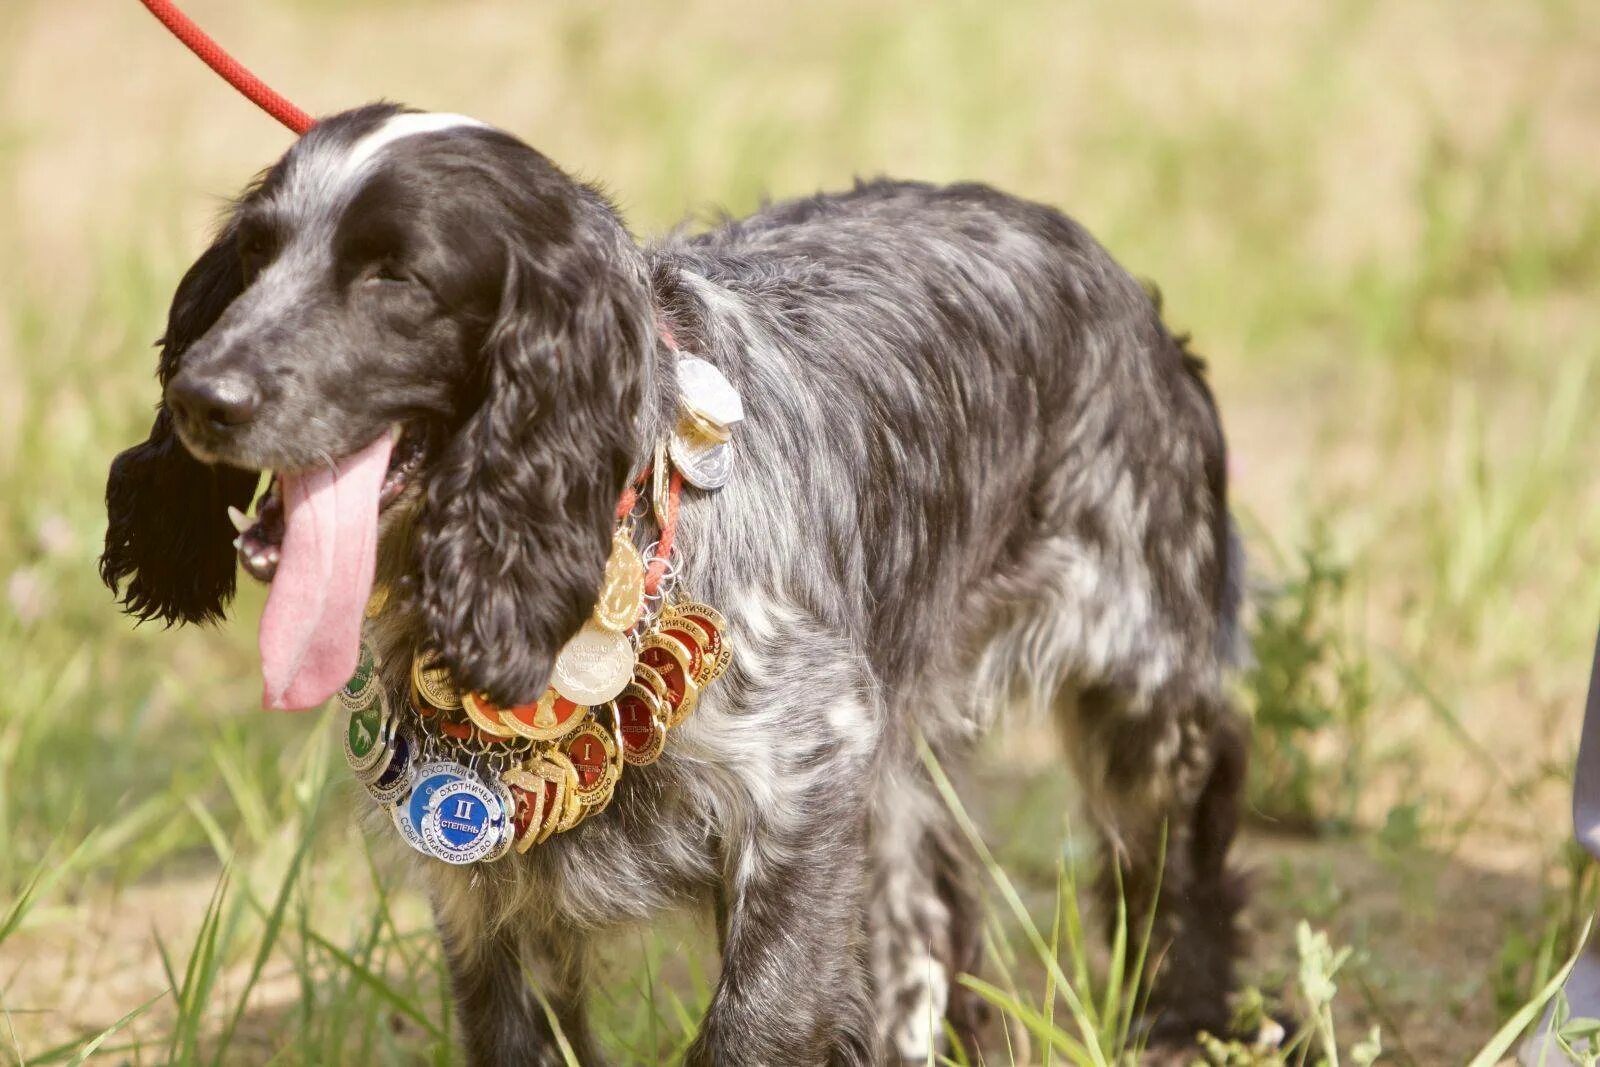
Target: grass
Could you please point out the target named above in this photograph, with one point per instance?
(1382, 224)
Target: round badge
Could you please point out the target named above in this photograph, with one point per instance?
(689, 635)
(705, 464)
(402, 823)
(365, 735)
(549, 717)
(647, 676)
(593, 754)
(622, 592)
(718, 653)
(396, 777)
(433, 683)
(428, 780)
(670, 659)
(485, 716)
(704, 389)
(359, 691)
(464, 822)
(639, 722)
(593, 666)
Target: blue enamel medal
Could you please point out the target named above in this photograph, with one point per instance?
(465, 822)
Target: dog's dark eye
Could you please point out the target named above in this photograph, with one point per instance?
(255, 252)
(388, 274)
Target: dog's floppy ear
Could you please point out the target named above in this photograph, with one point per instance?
(514, 536)
(167, 534)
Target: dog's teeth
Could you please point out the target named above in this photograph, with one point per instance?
(241, 522)
(394, 434)
(237, 541)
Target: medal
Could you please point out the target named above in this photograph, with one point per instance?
(529, 791)
(704, 390)
(464, 823)
(358, 691)
(593, 666)
(690, 636)
(366, 737)
(426, 782)
(505, 834)
(718, 653)
(402, 824)
(395, 778)
(622, 593)
(594, 755)
(433, 683)
(705, 464)
(550, 717)
(668, 657)
(640, 724)
(485, 716)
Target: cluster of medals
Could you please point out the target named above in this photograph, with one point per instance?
(466, 781)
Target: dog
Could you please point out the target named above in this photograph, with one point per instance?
(977, 472)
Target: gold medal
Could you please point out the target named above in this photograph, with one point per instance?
(594, 666)
(646, 676)
(660, 482)
(433, 683)
(668, 657)
(550, 717)
(532, 794)
(569, 812)
(718, 652)
(640, 724)
(377, 601)
(694, 424)
(594, 756)
(622, 594)
(485, 716)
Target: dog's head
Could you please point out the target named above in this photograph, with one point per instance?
(408, 311)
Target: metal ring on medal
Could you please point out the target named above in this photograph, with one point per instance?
(705, 464)
(594, 666)
(366, 734)
(463, 823)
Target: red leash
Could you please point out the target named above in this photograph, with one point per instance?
(231, 70)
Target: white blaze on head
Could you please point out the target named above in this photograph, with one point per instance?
(401, 126)
(326, 177)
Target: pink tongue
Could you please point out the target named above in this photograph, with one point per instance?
(311, 628)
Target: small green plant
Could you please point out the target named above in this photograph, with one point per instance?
(1309, 694)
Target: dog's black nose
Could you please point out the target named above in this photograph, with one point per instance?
(221, 402)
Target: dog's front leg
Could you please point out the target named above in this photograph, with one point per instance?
(794, 990)
(498, 979)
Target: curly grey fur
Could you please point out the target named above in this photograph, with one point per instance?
(977, 471)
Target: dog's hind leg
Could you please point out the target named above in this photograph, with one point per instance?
(1163, 778)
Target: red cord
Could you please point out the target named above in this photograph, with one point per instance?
(234, 73)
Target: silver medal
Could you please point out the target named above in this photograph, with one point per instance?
(703, 389)
(594, 666)
(705, 464)
(465, 822)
